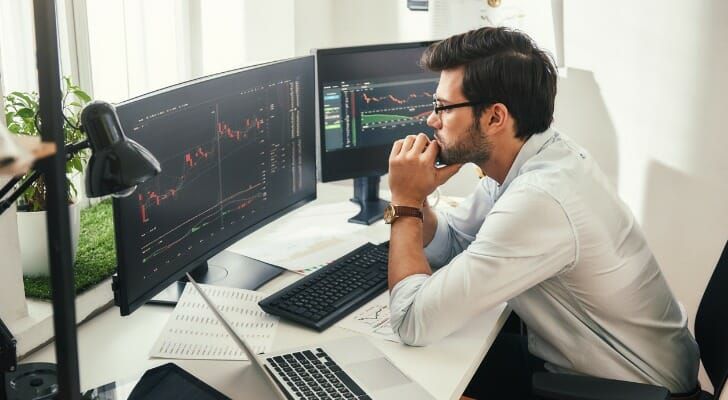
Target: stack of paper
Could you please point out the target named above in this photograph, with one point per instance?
(193, 332)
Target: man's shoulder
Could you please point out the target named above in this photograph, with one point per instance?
(560, 168)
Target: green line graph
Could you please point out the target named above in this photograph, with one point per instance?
(374, 118)
(369, 121)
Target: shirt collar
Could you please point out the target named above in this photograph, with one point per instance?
(533, 146)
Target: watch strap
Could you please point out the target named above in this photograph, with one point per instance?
(406, 211)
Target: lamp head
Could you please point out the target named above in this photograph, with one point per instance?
(117, 164)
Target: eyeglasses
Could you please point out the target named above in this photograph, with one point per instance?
(436, 109)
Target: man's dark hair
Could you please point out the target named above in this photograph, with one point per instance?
(502, 65)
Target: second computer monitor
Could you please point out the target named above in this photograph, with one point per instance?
(368, 97)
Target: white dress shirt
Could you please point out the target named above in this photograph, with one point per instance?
(565, 252)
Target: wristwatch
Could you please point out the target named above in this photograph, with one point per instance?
(393, 211)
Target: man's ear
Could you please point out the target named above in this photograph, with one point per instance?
(499, 115)
(495, 119)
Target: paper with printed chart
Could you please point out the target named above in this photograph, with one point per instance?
(193, 333)
(307, 239)
(372, 319)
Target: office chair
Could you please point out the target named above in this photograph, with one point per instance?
(711, 333)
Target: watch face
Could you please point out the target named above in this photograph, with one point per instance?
(389, 214)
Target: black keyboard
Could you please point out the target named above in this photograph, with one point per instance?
(312, 375)
(329, 294)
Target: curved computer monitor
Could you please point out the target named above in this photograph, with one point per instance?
(237, 150)
(368, 97)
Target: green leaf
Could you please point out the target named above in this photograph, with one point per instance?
(77, 164)
(82, 95)
(26, 113)
(29, 194)
(14, 128)
(23, 96)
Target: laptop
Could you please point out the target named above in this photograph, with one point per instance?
(349, 368)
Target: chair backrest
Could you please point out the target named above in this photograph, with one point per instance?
(711, 325)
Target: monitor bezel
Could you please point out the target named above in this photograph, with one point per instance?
(357, 162)
(121, 295)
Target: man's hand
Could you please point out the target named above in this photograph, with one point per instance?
(412, 171)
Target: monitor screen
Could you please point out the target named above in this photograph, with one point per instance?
(237, 150)
(370, 96)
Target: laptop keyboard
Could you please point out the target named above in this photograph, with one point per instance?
(314, 375)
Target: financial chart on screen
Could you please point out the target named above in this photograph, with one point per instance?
(234, 150)
(376, 112)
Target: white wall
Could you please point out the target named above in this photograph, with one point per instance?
(313, 26)
(334, 23)
(645, 92)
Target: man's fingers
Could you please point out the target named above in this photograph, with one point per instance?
(430, 154)
(420, 143)
(408, 142)
(445, 173)
(432, 149)
(396, 148)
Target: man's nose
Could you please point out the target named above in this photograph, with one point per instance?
(433, 121)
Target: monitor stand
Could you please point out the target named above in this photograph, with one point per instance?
(366, 194)
(225, 269)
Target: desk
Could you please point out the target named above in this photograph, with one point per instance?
(112, 347)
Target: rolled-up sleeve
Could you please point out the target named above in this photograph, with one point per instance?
(441, 248)
(401, 299)
(526, 239)
(457, 227)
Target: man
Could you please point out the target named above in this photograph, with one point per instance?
(543, 231)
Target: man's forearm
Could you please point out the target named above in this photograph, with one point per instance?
(406, 256)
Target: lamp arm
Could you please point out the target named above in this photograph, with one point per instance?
(9, 185)
(74, 148)
(71, 150)
(5, 204)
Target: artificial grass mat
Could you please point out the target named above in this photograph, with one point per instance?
(96, 255)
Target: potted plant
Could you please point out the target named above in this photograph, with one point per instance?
(21, 117)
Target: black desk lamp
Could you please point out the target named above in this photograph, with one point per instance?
(116, 166)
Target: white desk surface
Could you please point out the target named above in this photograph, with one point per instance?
(112, 347)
